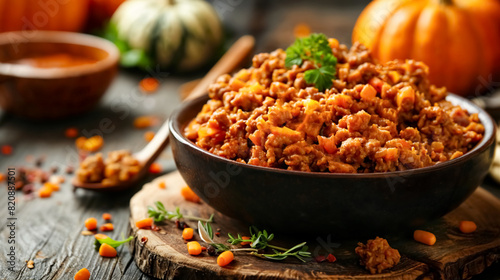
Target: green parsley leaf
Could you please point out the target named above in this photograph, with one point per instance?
(316, 49)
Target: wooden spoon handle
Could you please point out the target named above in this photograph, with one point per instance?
(230, 60)
(238, 51)
(155, 147)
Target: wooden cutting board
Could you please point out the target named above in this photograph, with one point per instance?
(454, 256)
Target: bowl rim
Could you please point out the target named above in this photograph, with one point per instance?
(59, 37)
(485, 143)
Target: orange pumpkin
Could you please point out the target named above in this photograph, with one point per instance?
(458, 39)
(63, 15)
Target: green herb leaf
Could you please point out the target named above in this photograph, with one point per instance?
(113, 243)
(129, 57)
(206, 232)
(160, 214)
(315, 49)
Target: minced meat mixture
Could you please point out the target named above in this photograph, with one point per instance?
(375, 118)
(377, 255)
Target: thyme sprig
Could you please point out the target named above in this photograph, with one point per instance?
(259, 241)
(160, 214)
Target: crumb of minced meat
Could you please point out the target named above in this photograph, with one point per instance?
(377, 255)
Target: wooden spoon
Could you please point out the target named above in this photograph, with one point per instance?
(228, 62)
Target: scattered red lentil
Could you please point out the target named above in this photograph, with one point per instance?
(7, 150)
(145, 121)
(331, 258)
(149, 135)
(301, 30)
(161, 185)
(71, 132)
(155, 168)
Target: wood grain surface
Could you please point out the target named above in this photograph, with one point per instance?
(49, 230)
(454, 256)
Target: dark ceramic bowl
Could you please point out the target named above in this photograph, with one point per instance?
(285, 200)
(54, 93)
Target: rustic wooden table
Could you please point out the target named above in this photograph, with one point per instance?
(48, 231)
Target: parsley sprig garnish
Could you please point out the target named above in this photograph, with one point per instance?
(259, 241)
(315, 49)
(160, 214)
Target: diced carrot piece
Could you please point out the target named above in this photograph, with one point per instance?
(236, 84)
(149, 85)
(106, 216)
(467, 226)
(80, 142)
(225, 258)
(405, 96)
(376, 83)
(368, 92)
(256, 138)
(82, 274)
(187, 233)
(391, 154)
(107, 227)
(394, 76)
(155, 168)
(256, 88)
(194, 248)
(52, 186)
(328, 144)
(100, 236)
(243, 75)
(91, 223)
(342, 100)
(424, 237)
(189, 195)
(311, 106)
(286, 133)
(245, 242)
(45, 192)
(107, 251)
(301, 30)
(205, 131)
(144, 223)
(333, 43)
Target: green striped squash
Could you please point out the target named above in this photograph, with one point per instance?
(177, 34)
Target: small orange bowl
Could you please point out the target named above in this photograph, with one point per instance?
(51, 74)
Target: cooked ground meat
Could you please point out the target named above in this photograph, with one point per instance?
(377, 255)
(375, 118)
(118, 167)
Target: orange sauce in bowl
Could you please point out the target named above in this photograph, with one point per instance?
(58, 60)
